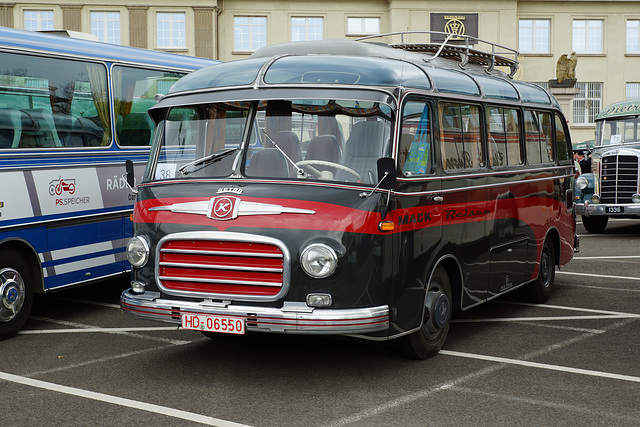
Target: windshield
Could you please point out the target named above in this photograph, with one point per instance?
(310, 139)
(618, 131)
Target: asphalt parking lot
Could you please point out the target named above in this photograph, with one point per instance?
(572, 361)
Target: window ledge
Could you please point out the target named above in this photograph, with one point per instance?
(593, 55)
(242, 52)
(172, 49)
(543, 54)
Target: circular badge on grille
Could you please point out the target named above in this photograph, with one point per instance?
(223, 207)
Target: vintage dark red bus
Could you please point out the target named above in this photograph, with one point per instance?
(351, 188)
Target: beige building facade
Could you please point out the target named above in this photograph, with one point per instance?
(604, 34)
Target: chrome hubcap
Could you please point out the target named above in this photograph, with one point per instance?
(12, 293)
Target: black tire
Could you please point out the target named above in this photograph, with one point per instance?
(429, 339)
(540, 290)
(595, 224)
(16, 293)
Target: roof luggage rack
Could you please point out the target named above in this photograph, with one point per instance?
(458, 48)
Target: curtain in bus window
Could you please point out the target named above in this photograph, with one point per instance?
(537, 137)
(460, 136)
(216, 130)
(532, 137)
(100, 99)
(278, 118)
(504, 137)
(417, 161)
(562, 142)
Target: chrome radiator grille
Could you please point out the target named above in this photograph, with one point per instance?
(221, 268)
(619, 179)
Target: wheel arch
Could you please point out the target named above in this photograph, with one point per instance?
(454, 271)
(553, 236)
(30, 255)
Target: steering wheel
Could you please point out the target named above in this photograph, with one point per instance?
(317, 173)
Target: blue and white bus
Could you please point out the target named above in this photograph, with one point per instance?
(71, 112)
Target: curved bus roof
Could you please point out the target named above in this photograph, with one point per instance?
(363, 64)
(620, 109)
(35, 41)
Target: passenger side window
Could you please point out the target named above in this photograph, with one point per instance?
(562, 141)
(504, 137)
(538, 137)
(135, 90)
(415, 139)
(52, 103)
(460, 136)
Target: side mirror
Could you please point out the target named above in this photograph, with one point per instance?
(387, 173)
(130, 175)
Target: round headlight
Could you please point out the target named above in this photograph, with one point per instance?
(635, 198)
(582, 183)
(319, 260)
(138, 251)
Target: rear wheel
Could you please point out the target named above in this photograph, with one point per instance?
(429, 339)
(540, 290)
(16, 293)
(595, 224)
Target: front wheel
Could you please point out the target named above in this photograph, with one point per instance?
(429, 339)
(16, 293)
(539, 291)
(595, 224)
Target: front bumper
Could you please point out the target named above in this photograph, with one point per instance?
(293, 317)
(591, 209)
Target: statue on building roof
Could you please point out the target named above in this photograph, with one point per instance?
(566, 68)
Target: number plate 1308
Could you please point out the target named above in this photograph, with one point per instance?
(222, 324)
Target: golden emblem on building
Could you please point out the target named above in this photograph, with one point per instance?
(455, 25)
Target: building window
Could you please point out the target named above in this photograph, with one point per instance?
(633, 90)
(633, 36)
(38, 20)
(171, 30)
(363, 26)
(587, 104)
(534, 35)
(249, 32)
(587, 36)
(306, 29)
(106, 26)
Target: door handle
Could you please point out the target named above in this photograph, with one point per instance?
(437, 199)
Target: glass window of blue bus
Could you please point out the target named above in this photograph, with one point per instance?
(611, 188)
(350, 188)
(71, 112)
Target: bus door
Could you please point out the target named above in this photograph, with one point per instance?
(508, 239)
(466, 206)
(418, 210)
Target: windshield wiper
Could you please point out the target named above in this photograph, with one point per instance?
(297, 168)
(206, 160)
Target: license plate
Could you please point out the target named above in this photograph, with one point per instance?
(615, 209)
(222, 324)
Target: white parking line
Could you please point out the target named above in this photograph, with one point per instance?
(502, 363)
(93, 330)
(613, 257)
(601, 276)
(526, 363)
(135, 404)
(81, 327)
(597, 314)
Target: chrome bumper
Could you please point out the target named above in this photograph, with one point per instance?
(293, 317)
(588, 209)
